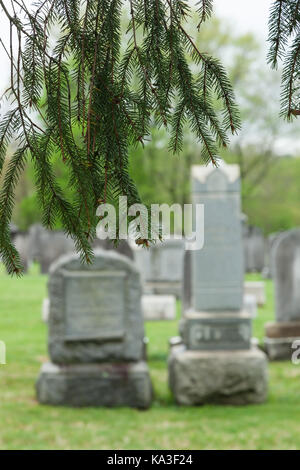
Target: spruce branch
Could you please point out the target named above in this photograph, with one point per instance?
(78, 94)
(284, 39)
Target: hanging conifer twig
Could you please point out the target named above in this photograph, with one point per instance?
(84, 98)
(284, 39)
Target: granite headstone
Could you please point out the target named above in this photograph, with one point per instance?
(96, 334)
(216, 361)
(281, 334)
(161, 267)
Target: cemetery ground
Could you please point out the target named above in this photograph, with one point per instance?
(25, 424)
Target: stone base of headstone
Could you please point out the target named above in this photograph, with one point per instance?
(279, 349)
(210, 331)
(279, 339)
(257, 289)
(106, 384)
(159, 307)
(221, 377)
(163, 288)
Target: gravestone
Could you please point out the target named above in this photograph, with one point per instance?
(268, 271)
(216, 361)
(250, 305)
(281, 334)
(256, 288)
(96, 335)
(46, 246)
(249, 300)
(161, 267)
(254, 249)
(159, 307)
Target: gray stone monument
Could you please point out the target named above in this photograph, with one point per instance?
(96, 335)
(159, 307)
(257, 289)
(161, 267)
(280, 335)
(216, 361)
(46, 246)
(252, 291)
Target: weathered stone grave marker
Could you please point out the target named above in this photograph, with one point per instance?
(216, 361)
(161, 267)
(96, 335)
(281, 334)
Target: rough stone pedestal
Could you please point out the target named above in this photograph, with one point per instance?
(279, 349)
(105, 384)
(280, 338)
(224, 377)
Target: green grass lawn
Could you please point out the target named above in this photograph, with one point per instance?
(24, 424)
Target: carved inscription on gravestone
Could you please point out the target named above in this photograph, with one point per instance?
(234, 334)
(91, 293)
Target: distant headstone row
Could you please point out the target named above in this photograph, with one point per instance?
(46, 246)
(161, 265)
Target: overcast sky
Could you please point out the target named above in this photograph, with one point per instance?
(246, 15)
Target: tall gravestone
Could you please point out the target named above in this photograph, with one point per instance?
(216, 361)
(96, 335)
(280, 335)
